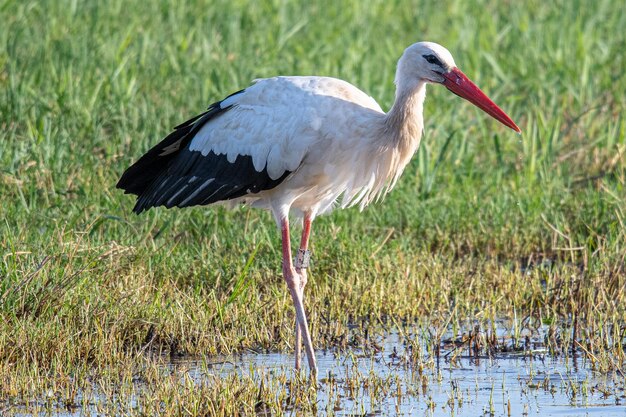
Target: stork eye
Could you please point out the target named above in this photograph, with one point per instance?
(432, 59)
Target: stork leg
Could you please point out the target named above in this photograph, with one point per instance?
(302, 263)
(292, 278)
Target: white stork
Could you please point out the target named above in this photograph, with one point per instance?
(304, 143)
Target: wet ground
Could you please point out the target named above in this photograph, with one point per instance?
(393, 375)
(386, 383)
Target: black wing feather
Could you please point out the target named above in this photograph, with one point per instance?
(171, 175)
(142, 173)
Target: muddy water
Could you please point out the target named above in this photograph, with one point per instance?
(524, 384)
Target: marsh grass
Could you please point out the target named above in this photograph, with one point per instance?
(483, 224)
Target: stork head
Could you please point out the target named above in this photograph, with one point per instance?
(432, 63)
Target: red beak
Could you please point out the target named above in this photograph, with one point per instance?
(459, 84)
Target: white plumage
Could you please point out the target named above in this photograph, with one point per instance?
(300, 144)
(325, 126)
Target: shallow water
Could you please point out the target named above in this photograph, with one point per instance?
(470, 388)
(466, 386)
(389, 380)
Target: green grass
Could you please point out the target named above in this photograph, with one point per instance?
(483, 224)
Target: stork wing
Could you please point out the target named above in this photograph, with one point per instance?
(227, 152)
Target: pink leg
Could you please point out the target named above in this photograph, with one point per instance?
(301, 270)
(293, 283)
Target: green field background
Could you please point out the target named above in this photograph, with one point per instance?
(484, 223)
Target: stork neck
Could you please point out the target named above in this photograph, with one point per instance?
(404, 121)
